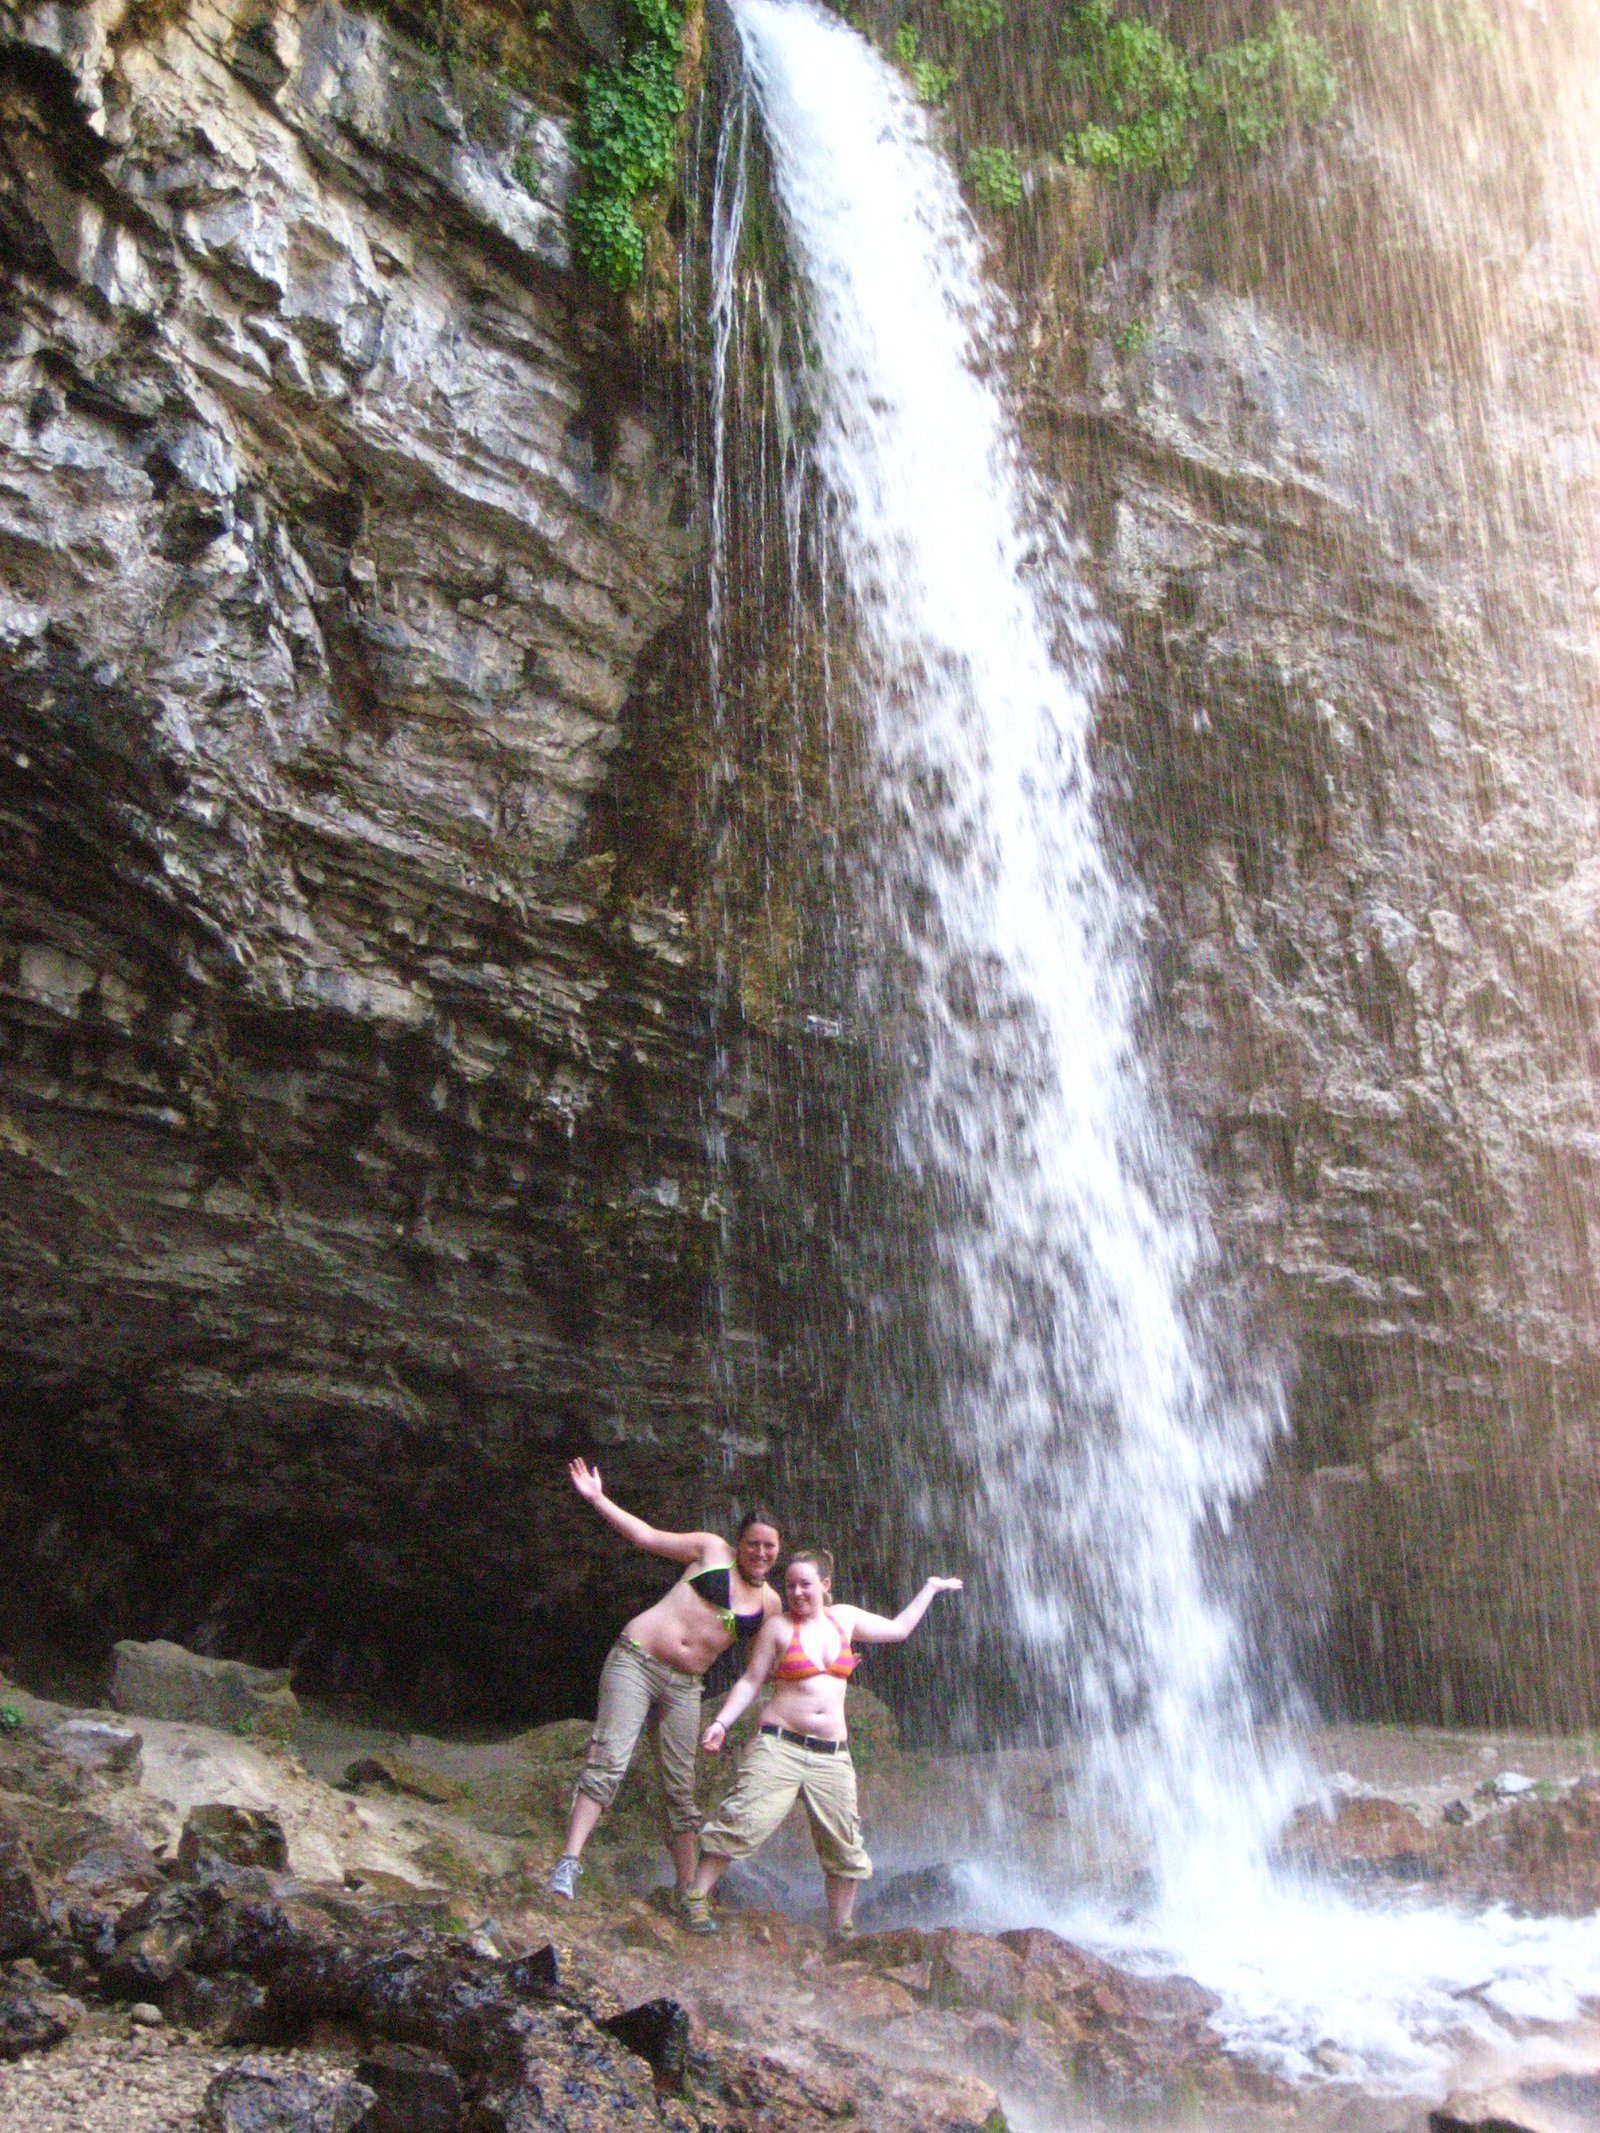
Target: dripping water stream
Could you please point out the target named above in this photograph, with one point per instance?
(1100, 1442)
(1083, 1409)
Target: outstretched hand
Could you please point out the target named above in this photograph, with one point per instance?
(586, 1480)
(944, 1584)
(710, 1745)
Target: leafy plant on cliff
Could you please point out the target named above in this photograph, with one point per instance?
(994, 177)
(626, 140)
(972, 19)
(1144, 105)
(1252, 91)
(931, 81)
(960, 24)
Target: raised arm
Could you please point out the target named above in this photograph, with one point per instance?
(677, 1547)
(763, 1657)
(883, 1629)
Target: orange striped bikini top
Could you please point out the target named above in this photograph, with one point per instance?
(797, 1663)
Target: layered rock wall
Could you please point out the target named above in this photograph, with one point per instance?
(353, 1160)
(1332, 435)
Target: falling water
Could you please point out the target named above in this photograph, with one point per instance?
(1083, 1409)
(1093, 1421)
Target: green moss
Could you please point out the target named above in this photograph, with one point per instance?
(627, 138)
(1253, 91)
(994, 177)
(1146, 106)
(972, 19)
(1139, 88)
(931, 81)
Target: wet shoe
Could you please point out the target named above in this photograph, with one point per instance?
(564, 1874)
(695, 1912)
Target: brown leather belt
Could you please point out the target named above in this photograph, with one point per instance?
(813, 1741)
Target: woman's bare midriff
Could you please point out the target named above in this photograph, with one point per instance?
(681, 1631)
(815, 1707)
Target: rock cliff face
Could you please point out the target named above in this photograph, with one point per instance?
(1333, 435)
(354, 1046)
(359, 1025)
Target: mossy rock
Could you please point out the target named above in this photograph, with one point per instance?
(531, 1794)
(874, 1730)
(442, 1859)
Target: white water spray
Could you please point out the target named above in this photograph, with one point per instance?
(1083, 1408)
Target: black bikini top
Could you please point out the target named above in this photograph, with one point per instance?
(714, 1585)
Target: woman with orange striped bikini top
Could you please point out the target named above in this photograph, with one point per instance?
(797, 1663)
(808, 1653)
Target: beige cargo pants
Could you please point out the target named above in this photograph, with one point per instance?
(773, 1774)
(639, 1694)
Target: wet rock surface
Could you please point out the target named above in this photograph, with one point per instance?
(480, 1994)
(163, 1680)
(430, 2016)
(21, 1913)
(1312, 420)
(264, 2099)
(33, 2015)
(354, 1040)
(1115, 2039)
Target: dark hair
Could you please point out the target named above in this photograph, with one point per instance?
(822, 1557)
(756, 1518)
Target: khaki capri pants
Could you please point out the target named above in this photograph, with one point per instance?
(639, 1694)
(773, 1774)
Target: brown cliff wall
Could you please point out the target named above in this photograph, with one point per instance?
(352, 1157)
(1329, 419)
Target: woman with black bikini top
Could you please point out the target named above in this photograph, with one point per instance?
(654, 1668)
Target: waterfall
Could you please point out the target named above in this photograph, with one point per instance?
(1097, 1456)
(1095, 1431)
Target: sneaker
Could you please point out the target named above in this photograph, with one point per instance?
(564, 1874)
(840, 1936)
(695, 1912)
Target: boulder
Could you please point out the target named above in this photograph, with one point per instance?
(927, 1896)
(1361, 1837)
(973, 1970)
(398, 1773)
(33, 2014)
(147, 1961)
(22, 1918)
(61, 1838)
(874, 1730)
(416, 2090)
(235, 1836)
(1117, 2037)
(262, 2099)
(1557, 2103)
(1542, 1855)
(98, 1745)
(224, 2010)
(163, 1680)
(32, 1768)
(658, 2032)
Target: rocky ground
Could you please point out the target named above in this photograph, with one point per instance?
(220, 1932)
